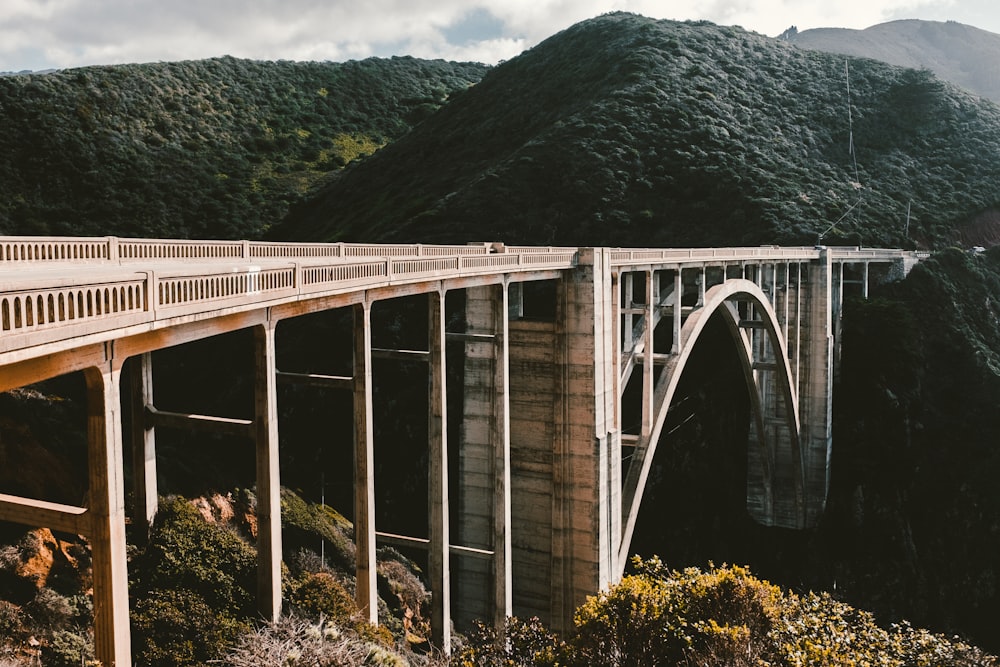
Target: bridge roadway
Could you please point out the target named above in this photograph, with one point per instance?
(542, 436)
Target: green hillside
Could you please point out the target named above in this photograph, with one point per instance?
(623, 130)
(204, 149)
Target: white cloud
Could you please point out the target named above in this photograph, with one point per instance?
(38, 34)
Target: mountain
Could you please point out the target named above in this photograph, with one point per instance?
(205, 149)
(966, 56)
(624, 130)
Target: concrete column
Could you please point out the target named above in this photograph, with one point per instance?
(484, 497)
(503, 596)
(366, 591)
(439, 561)
(798, 329)
(112, 643)
(816, 388)
(268, 477)
(702, 287)
(652, 302)
(616, 349)
(629, 301)
(836, 307)
(584, 543)
(143, 446)
(678, 295)
(788, 296)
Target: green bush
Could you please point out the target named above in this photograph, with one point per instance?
(521, 642)
(187, 552)
(320, 595)
(178, 628)
(10, 620)
(50, 610)
(69, 648)
(723, 616)
(193, 587)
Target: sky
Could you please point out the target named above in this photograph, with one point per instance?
(46, 34)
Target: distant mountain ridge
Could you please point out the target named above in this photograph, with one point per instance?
(964, 55)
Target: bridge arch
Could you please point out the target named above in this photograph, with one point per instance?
(761, 349)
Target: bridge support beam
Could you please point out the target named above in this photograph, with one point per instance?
(112, 643)
(652, 302)
(816, 388)
(366, 591)
(439, 558)
(586, 463)
(484, 501)
(268, 478)
(145, 502)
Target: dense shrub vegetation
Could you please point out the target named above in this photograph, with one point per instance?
(201, 149)
(722, 616)
(627, 131)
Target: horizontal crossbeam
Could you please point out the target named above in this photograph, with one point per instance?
(316, 380)
(400, 355)
(423, 543)
(470, 337)
(193, 422)
(43, 514)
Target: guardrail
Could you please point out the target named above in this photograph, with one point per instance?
(95, 294)
(629, 256)
(108, 283)
(625, 256)
(32, 249)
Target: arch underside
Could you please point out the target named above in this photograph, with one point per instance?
(775, 471)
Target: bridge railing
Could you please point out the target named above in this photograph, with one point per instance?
(85, 297)
(626, 256)
(32, 249)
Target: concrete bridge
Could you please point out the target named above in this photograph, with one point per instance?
(552, 338)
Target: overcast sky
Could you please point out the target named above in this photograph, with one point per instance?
(42, 34)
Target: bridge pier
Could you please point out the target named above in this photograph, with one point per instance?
(143, 433)
(366, 574)
(815, 373)
(106, 509)
(268, 478)
(566, 449)
(439, 559)
(484, 482)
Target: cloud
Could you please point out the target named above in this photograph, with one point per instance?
(39, 34)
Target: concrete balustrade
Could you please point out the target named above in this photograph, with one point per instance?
(114, 249)
(42, 249)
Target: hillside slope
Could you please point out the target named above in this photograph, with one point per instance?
(623, 130)
(964, 55)
(205, 149)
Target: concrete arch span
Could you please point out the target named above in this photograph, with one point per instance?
(762, 351)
